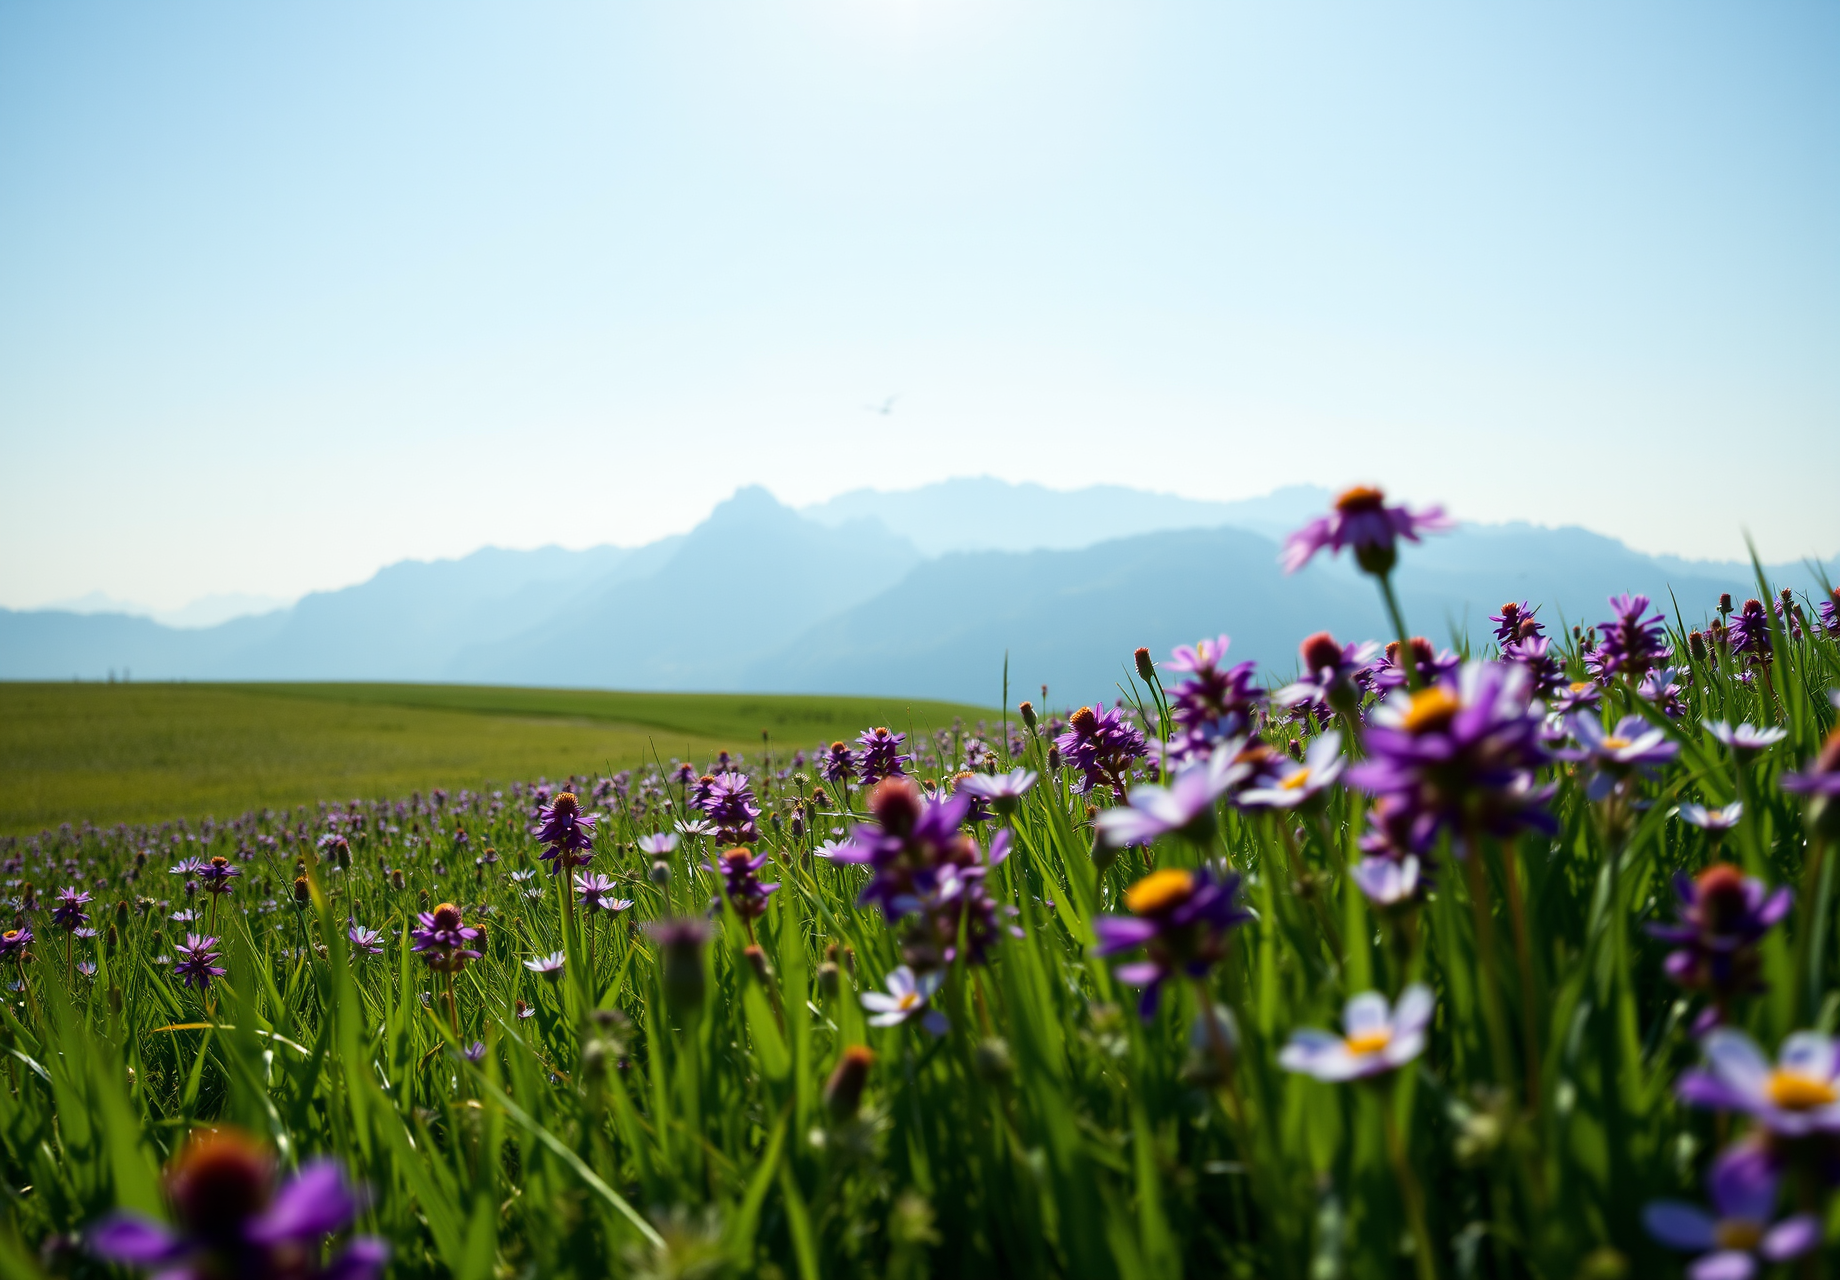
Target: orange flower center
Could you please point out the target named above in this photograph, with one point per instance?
(1360, 498)
(1616, 744)
(1370, 1041)
(1296, 781)
(1159, 891)
(1738, 1233)
(1794, 1091)
(1579, 686)
(1431, 709)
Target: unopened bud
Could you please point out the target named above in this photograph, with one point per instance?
(1146, 669)
(844, 1090)
(661, 872)
(828, 979)
(1028, 714)
(757, 961)
(396, 880)
(302, 893)
(1725, 602)
(895, 802)
(1696, 645)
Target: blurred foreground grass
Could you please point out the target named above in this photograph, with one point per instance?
(144, 752)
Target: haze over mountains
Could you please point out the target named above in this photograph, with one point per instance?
(918, 593)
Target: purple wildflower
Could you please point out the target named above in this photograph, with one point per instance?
(1387, 882)
(1579, 695)
(1328, 679)
(443, 939)
(1004, 791)
(658, 844)
(907, 999)
(1186, 806)
(1432, 665)
(1830, 613)
(1632, 640)
(194, 966)
(548, 967)
(1361, 519)
(1632, 750)
(1379, 1038)
(1750, 631)
(69, 912)
(1214, 703)
(1742, 1186)
(1723, 915)
(1698, 815)
(839, 765)
(1515, 623)
(1299, 783)
(1459, 757)
(566, 831)
(1797, 1097)
(217, 875)
(746, 894)
(366, 942)
(1820, 782)
(1745, 739)
(597, 893)
(476, 1052)
(231, 1220)
(13, 943)
(1180, 919)
(1544, 671)
(1101, 744)
(880, 755)
(727, 801)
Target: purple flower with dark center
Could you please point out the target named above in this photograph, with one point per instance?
(1544, 671)
(1514, 623)
(69, 912)
(1742, 1187)
(1723, 915)
(1101, 744)
(366, 942)
(1745, 739)
(1181, 919)
(598, 893)
(907, 999)
(194, 965)
(548, 967)
(727, 800)
(1299, 782)
(1797, 1097)
(839, 765)
(1186, 806)
(1327, 680)
(217, 875)
(1631, 641)
(13, 943)
(1214, 703)
(922, 865)
(1698, 815)
(1750, 631)
(1632, 750)
(1458, 756)
(444, 938)
(879, 755)
(1432, 666)
(231, 1220)
(566, 831)
(1387, 882)
(1360, 519)
(1378, 1038)
(740, 881)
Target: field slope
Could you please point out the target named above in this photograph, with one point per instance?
(141, 752)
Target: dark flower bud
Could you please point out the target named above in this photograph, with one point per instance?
(849, 959)
(1696, 645)
(1319, 651)
(396, 880)
(1028, 714)
(681, 942)
(661, 872)
(818, 798)
(831, 951)
(302, 893)
(1725, 602)
(895, 803)
(844, 1090)
(828, 979)
(121, 914)
(421, 899)
(1146, 669)
(757, 961)
(111, 940)
(1295, 748)
(220, 1181)
(1054, 759)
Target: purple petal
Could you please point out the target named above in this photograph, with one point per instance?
(315, 1202)
(364, 1259)
(1121, 933)
(1137, 975)
(1743, 1184)
(1791, 1237)
(1727, 1264)
(133, 1239)
(1680, 1225)
(1737, 1061)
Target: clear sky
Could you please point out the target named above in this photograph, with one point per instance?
(289, 291)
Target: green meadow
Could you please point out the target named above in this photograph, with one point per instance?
(111, 753)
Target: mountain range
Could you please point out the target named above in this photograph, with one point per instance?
(920, 593)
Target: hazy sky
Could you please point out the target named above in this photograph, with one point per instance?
(289, 291)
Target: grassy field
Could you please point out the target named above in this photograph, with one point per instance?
(140, 752)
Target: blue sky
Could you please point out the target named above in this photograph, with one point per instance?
(291, 291)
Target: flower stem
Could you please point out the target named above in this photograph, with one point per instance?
(1406, 660)
(1410, 1192)
(1489, 979)
(1523, 959)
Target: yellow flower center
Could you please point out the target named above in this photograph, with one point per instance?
(1431, 709)
(909, 999)
(1296, 781)
(1616, 744)
(1370, 1041)
(1159, 891)
(1793, 1091)
(1738, 1233)
(1579, 686)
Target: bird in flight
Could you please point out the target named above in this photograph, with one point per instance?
(885, 408)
